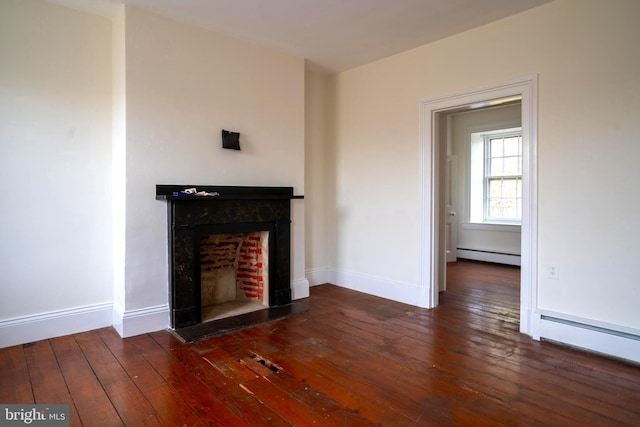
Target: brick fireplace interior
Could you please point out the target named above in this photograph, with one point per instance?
(234, 275)
(229, 252)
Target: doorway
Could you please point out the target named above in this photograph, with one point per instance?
(483, 192)
(433, 162)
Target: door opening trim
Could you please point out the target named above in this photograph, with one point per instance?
(431, 151)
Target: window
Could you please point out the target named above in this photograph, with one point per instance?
(503, 178)
(496, 177)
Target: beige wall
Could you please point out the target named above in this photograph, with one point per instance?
(183, 85)
(93, 115)
(586, 57)
(315, 172)
(55, 163)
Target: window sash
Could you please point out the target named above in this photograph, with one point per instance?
(502, 196)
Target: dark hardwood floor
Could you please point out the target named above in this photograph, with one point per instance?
(351, 359)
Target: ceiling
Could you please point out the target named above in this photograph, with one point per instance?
(333, 35)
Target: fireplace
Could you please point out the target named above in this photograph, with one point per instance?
(234, 274)
(228, 248)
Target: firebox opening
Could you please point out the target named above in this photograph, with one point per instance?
(234, 274)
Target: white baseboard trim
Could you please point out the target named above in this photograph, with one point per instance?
(140, 321)
(26, 329)
(317, 276)
(489, 257)
(299, 289)
(384, 288)
(622, 343)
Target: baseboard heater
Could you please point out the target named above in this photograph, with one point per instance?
(599, 339)
(489, 256)
(589, 327)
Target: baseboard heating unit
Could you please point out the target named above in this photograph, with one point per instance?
(611, 340)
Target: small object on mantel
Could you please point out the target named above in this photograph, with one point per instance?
(194, 192)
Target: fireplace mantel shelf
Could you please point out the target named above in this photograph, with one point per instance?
(213, 198)
(165, 192)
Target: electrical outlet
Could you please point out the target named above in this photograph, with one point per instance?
(553, 272)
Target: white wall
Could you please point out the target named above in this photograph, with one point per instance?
(118, 160)
(507, 240)
(55, 162)
(315, 177)
(585, 55)
(91, 120)
(183, 85)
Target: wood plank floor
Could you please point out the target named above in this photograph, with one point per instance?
(351, 360)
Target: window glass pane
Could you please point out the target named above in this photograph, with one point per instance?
(510, 208)
(495, 188)
(495, 208)
(511, 166)
(496, 147)
(511, 146)
(502, 170)
(520, 146)
(496, 167)
(509, 188)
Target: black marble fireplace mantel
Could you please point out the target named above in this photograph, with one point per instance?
(232, 210)
(166, 192)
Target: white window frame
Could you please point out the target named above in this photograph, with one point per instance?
(487, 177)
(478, 182)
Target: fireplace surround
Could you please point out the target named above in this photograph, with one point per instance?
(227, 209)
